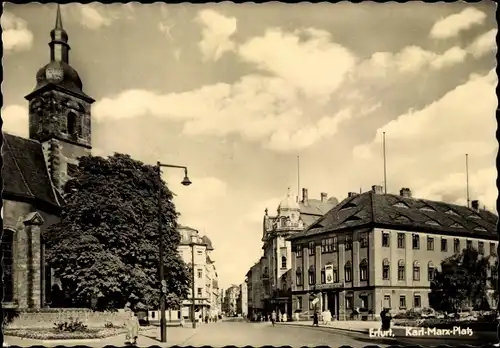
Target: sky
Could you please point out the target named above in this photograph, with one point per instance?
(237, 92)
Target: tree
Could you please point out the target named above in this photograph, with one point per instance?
(106, 243)
(462, 282)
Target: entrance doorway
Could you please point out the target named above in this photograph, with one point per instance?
(333, 303)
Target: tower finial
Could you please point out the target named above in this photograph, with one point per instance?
(59, 24)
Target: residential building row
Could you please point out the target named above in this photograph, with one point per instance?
(371, 251)
(207, 299)
(230, 305)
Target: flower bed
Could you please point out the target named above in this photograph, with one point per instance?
(45, 319)
(51, 334)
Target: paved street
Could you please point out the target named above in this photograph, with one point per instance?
(240, 333)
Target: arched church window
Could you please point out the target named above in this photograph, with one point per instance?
(71, 123)
(283, 262)
(8, 276)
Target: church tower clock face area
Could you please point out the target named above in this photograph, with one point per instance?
(59, 109)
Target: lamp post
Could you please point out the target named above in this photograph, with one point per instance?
(185, 182)
(192, 282)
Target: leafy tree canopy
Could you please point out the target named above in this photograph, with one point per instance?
(106, 243)
(461, 282)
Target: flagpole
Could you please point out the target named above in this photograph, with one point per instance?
(467, 178)
(298, 178)
(385, 166)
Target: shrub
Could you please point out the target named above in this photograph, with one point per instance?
(409, 314)
(73, 325)
(108, 325)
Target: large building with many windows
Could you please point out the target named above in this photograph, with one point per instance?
(376, 250)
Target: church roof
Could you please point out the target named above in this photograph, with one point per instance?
(372, 209)
(25, 172)
(208, 242)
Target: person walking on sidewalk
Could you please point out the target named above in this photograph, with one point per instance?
(273, 317)
(315, 318)
(385, 317)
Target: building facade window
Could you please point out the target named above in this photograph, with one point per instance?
(312, 248)
(312, 276)
(456, 245)
(430, 271)
(469, 244)
(363, 239)
(480, 248)
(200, 273)
(386, 269)
(298, 251)
(444, 244)
(416, 242)
(323, 276)
(416, 270)
(385, 239)
(283, 262)
(348, 271)
(417, 303)
(71, 124)
(430, 243)
(348, 242)
(299, 277)
(387, 301)
(7, 245)
(493, 249)
(349, 303)
(364, 302)
(402, 302)
(363, 270)
(335, 243)
(299, 302)
(335, 272)
(327, 245)
(401, 240)
(200, 291)
(401, 270)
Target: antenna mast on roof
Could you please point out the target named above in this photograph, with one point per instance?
(385, 166)
(467, 178)
(298, 178)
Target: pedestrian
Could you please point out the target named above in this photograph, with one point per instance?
(284, 317)
(182, 321)
(273, 317)
(132, 326)
(206, 318)
(385, 317)
(315, 318)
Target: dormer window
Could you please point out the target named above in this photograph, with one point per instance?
(426, 208)
(400, 205)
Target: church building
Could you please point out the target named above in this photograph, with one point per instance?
(36, 169)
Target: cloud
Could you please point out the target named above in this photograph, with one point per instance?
(452, 25)
(95, 16)
(425, 143)
(216, 34)
(483, 44)
(452, 188)
(15, 36)
(15, 120)
(411, 59)
(302, 58)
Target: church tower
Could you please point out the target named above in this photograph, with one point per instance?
(59, 110)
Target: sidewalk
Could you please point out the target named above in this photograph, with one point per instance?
(365, 326)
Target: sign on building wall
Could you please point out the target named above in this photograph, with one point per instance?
(329, 274)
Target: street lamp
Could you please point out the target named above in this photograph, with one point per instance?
(185, 182)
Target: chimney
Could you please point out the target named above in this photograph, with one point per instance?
(351, 194)
(305, 198)
(475, 205)
(377, 189)
(324, 196)
(405, 192)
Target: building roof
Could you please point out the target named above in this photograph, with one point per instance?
(398, 212)
(25, 172)
(208, 242)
